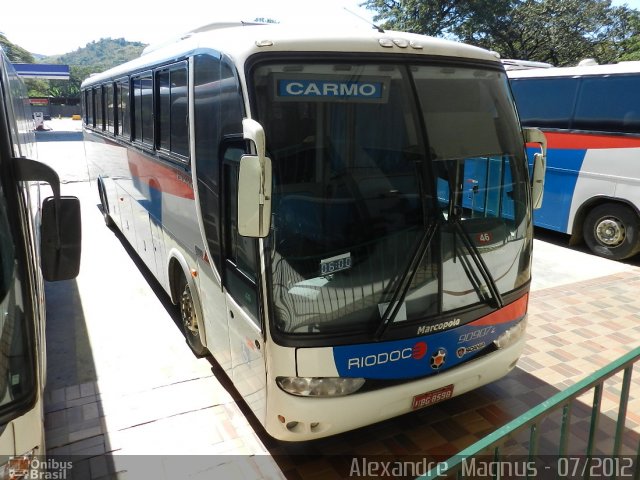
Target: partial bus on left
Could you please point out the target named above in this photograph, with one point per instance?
(39, 240)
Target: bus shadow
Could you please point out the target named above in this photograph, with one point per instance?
(149, 277)
(58, 136)
(563, 240)
(74, 431)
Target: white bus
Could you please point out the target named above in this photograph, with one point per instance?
(591, 118)
(343, 219)
(36, 239)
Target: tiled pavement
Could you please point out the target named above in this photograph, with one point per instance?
(574, 329)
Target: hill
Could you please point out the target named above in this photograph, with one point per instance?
(100, 55)
(14, 52)
(96, 57)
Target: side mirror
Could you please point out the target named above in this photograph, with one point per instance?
(533, 135)
(60, 226)
(254, 185)
(60, 238)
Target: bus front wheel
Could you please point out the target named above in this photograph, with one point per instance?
(189, 321)
(611, 231)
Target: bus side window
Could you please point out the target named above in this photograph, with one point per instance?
(7, 253)
(241, 253)
(555, 111)
(122, 108)
(607, 104)
(172, 110)
(218, 113)
(97, 105)
(89, 104)
(109, 105)
(207, 112)
(143, 109)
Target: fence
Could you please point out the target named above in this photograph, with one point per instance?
(490, 456)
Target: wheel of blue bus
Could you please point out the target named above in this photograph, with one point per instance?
(611, 231)
(189, 318)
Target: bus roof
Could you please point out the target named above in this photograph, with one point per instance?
(512, 64)
(241, 40)
(612, 69)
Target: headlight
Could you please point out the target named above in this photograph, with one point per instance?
(512, 335)
(319, 386)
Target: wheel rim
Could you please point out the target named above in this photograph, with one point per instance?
(610, 232)
(189, 319)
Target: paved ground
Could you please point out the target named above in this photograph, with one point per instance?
(123, 385)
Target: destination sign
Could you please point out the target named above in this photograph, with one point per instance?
(332, 89)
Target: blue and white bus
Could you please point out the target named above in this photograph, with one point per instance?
(305, 197)
(38, 238)
(591, 118)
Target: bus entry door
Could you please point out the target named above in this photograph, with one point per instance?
(242, 298)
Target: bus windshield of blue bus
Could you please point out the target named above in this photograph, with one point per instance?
(392, 183)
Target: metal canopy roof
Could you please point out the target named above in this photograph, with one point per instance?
(42, 70)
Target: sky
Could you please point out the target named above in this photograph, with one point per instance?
(49, 28)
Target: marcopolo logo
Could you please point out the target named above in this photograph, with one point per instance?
(330, 88)
(424, 329)
(416, 352)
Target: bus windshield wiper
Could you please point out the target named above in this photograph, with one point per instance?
(476, 256)
(391, 312)
(454, 217)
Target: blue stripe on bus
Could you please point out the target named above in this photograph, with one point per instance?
(563, 168)
(417, 357)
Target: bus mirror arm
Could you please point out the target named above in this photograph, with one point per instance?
(534, 135)
(254, 185)
(253, 131)
(33, 171)
(60, 228)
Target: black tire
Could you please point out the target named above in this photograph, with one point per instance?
(611, 230)
(104, 206)
(188, 321)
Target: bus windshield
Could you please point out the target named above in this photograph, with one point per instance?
(17, 368)
(399, 193)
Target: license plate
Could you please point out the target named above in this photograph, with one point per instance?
(434, 396)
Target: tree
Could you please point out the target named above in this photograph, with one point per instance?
(429, 17)
(37, 87)
(625, 38)
(561, 32)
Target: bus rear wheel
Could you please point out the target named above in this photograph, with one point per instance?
(189, 321)
(611, 231)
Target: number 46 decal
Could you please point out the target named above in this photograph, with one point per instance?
(484, 237)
